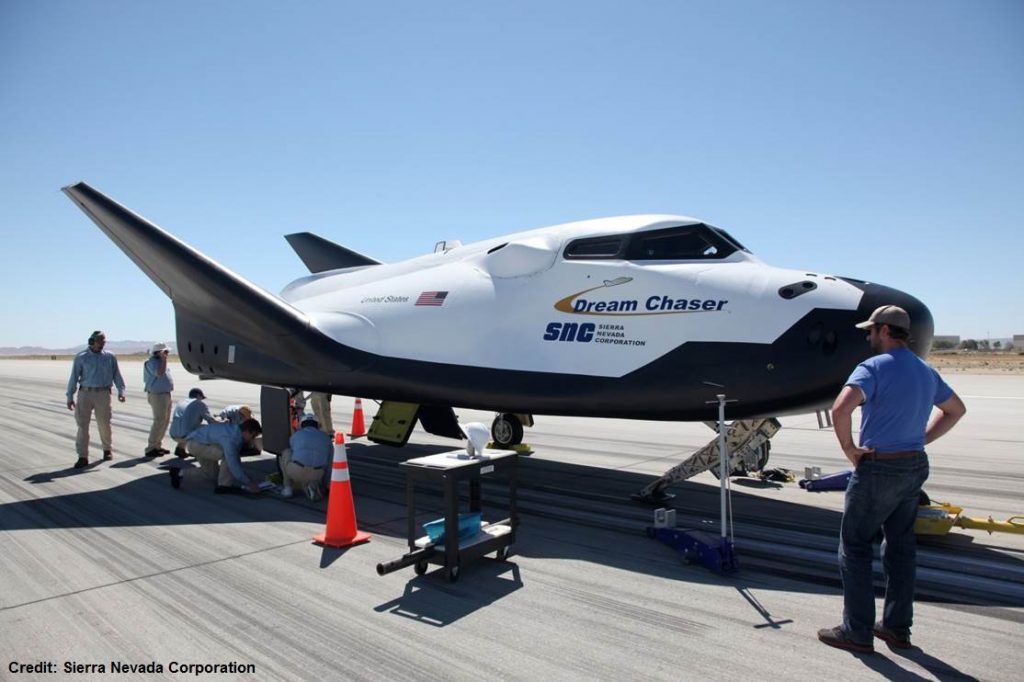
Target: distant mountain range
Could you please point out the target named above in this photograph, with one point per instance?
(115, 347)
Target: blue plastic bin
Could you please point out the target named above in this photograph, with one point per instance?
(469, 526)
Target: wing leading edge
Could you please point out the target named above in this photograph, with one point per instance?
(207, 290)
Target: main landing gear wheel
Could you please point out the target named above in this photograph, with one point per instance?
(506, 430)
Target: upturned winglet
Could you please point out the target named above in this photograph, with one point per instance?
(321, 255)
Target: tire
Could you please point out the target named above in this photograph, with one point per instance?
(740, 470)
(420, 567)
(763, 453)
(506, 430)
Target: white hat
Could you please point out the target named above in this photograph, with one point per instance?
(158, 346)
(309, 418)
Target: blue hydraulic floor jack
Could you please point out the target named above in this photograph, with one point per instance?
(715, 553)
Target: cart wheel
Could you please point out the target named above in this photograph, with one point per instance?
(502, 554)
(420, 567)
(452, 572)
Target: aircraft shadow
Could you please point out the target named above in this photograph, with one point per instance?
(566, 531)
(575, 532)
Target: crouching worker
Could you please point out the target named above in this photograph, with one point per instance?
(188, 415)
(217, 448)
(306, 458)
(235, 414)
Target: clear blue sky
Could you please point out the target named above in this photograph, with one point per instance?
(881, 140)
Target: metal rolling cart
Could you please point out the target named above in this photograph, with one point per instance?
(448, 469)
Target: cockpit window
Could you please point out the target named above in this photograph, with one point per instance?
(684, 242)
(687, 242)
(729, 238)
(594, 248)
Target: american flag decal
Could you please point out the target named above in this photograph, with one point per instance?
(432, 298)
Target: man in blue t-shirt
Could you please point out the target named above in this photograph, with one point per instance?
(896, 391)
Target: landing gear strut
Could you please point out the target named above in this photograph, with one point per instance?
(746, 443)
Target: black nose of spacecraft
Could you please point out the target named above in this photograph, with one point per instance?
(922, 327)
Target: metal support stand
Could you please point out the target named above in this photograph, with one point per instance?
(718, 554)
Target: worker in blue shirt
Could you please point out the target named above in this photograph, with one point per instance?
(306, 458)
(156, 379)
(188, 414)
(896, 392)
(92, 373)
(217, 447)
(235, 414)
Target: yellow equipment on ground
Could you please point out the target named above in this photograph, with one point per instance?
(940, 517)
(521, 448)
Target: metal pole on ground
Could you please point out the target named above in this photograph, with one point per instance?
(723, 461)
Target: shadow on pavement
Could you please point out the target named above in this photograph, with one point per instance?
(573, 512)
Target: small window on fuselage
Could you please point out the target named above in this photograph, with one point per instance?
(594, 248)
(687, 242)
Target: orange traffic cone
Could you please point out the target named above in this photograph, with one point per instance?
(358, 422)
(341, 528)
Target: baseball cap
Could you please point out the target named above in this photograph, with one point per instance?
(197, 393)
(892, 315)
(158, 346)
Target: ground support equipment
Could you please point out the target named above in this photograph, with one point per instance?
(837, 481)
(746, 442)
(718, 554)
(699, 546)
(451, 552)
(941, 517)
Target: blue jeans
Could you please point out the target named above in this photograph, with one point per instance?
(881, 494)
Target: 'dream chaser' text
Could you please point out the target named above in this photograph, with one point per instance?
(653, 304)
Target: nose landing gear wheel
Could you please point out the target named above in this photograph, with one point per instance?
(506, 430)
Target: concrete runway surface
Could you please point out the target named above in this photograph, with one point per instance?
(110, 564)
